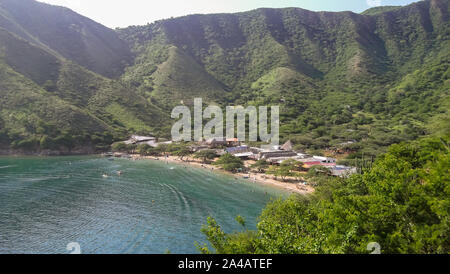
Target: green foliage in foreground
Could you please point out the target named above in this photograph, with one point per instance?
(402, 203)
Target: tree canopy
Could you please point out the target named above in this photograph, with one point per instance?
(402, 203)
(230, 163)
(205, 155)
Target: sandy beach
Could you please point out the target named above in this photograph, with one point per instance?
(252, 177)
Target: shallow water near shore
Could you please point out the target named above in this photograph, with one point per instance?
(153, 207)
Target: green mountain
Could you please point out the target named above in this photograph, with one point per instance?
(66, 34)
(53, 102)
(376, 78)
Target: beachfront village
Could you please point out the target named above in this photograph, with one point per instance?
(281, 166)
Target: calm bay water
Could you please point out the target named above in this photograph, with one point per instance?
(154, 207)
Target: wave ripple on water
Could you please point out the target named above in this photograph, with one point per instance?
(46, 203)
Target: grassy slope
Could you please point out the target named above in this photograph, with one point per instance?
(67, 33)
(378, 78)
(54, 91)
(25, 104)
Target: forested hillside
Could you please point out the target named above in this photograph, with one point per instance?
(67, 34)
(375, 78)
(50, 99)
(353, 83)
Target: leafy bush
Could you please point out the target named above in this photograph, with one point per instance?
(402, 203)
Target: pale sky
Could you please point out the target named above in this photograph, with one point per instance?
(123, 13)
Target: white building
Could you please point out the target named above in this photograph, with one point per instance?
(140, 140)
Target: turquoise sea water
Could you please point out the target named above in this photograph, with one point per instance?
(154, 207)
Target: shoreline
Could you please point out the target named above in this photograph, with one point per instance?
(259, 178)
